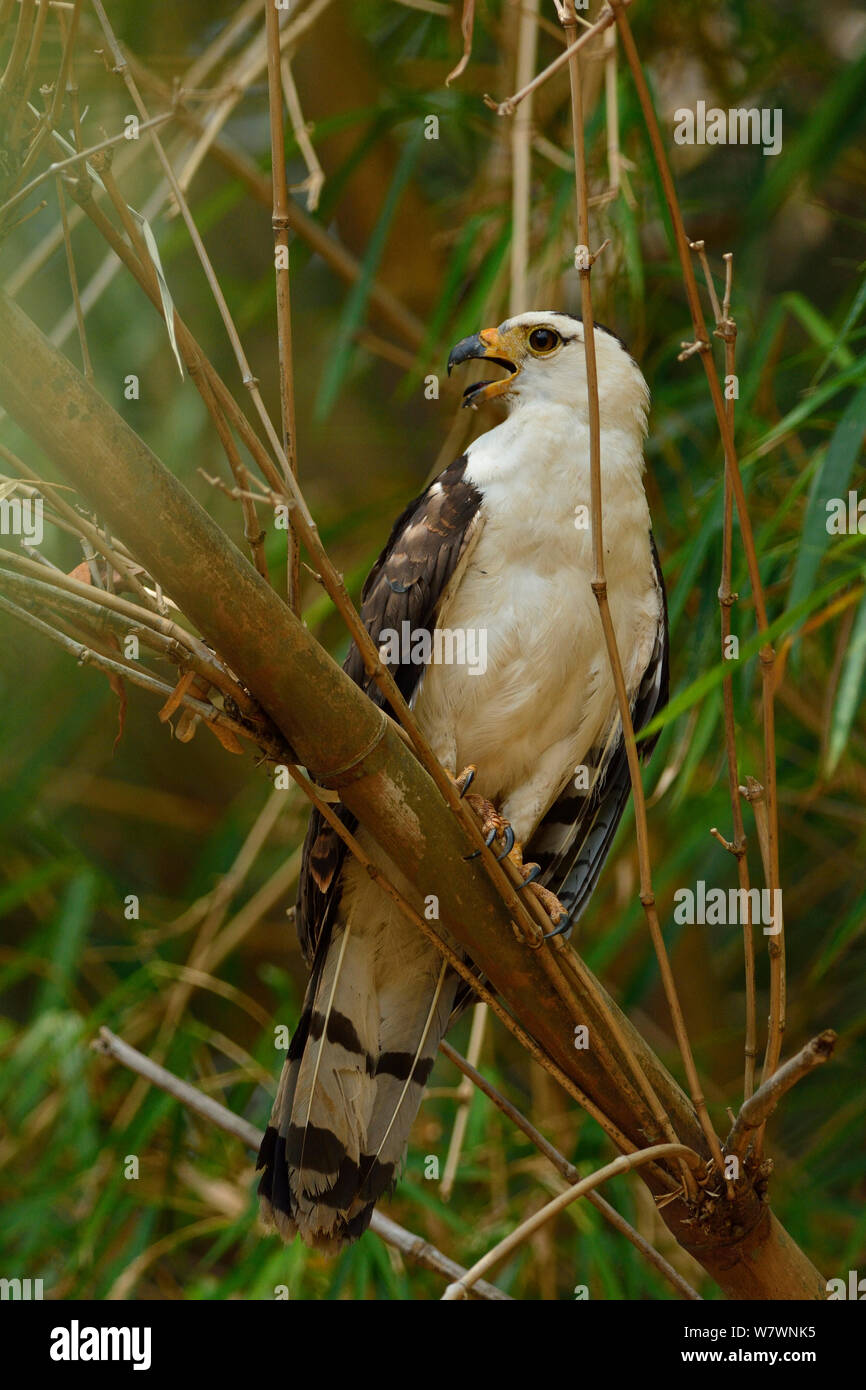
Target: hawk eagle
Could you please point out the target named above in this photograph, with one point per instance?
(498, 545)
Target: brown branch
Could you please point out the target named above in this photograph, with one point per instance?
(758, 1108)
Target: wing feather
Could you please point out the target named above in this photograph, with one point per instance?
(574, 838)
(407, 584)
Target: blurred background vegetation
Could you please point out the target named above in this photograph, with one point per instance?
(84, 824)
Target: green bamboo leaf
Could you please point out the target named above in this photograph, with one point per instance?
(69, 932)
(839, 939)
(710, 679)
(164, 292)
(802, 411)
(856, 308)
(818, 327)
(848, 694)
(456, 274)
(356, 302)
(832, 480)
(832, 122)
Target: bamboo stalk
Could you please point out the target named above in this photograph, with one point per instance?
(464, 1103)
(583, 261)
(284, 304)
(521, 161)
(726, 329)
(767, 654)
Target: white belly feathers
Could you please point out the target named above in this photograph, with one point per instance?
(545, 696)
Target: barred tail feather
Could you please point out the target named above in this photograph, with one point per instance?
(378, 1004)
(408, 1052)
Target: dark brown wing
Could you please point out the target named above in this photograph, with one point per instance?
(573, 840)
(406, 584)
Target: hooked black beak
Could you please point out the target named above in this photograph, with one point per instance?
(491, 347)
(466, 348)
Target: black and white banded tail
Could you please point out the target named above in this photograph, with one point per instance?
(376, 1008)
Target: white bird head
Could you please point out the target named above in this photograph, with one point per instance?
(543, 354)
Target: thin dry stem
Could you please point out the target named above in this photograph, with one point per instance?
(510, 105)
(110, 1045)
(127, 670)
(81, 526)
(767, 654)
(320, 240)
(86, 363)
(757, 1110)
(624, 1164)
(611, 113)
(726, 329)
(246, 68)
(568, 1170)
(521, 156)
(212, 668)
(315, 180)
(575, 964)
(60, 165)
(284, 304)
(599, 586)
(464, 1103)
(198, 961)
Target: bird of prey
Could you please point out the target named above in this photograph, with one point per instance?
(500, 545)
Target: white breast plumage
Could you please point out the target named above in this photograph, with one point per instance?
(545, 696)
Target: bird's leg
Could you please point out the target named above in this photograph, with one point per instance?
(529, 873)
(463, 781)
(494, 826)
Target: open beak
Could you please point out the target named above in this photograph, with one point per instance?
(491, 346)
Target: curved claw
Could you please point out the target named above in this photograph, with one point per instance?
(564, 925)
(470, 778)
(509, 843)
(488, 842)
(534, 873)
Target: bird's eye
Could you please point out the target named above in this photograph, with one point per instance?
(544, 340)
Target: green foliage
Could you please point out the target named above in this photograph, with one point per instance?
(82, 827)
